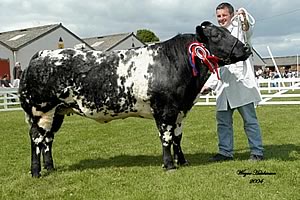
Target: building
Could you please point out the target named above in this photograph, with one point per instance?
(21, 45)
(114, 42)
(286, 63)
(258, 61)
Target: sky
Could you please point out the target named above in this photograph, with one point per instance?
(277, 23)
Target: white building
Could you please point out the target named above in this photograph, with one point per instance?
(21, 45)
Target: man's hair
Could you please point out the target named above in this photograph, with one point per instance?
(226, 5)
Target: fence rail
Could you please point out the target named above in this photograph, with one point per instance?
(9, 99)
(284, 91)
(273, 92)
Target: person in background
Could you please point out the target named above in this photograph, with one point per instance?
(5, 82)
(16, 81)
(236, 90)
(17, 70)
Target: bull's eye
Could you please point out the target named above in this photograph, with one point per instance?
(216, 38)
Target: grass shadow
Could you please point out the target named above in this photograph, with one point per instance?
(134, 161)
(279, 152)
(274, 151)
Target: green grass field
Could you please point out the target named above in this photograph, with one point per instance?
(122, 160)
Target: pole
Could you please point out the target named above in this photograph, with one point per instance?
(276, 67)
(297, 66)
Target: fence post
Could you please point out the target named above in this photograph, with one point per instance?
(5, 101)
(269, 85)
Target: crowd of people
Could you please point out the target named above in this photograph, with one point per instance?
(267, 73)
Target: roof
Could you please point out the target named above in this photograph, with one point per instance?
(257, 59)
(281, 61)
(19, 38)
(107, 42)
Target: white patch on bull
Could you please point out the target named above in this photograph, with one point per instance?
(137, 66)
(47, 139)
(47, 148)
(70, 98)
(35, 112)
(53, 54)
(38, 151)
(46, 119)
(140, 61)
(167, 135)
(43, 105)
(178, 129)
(38, 140)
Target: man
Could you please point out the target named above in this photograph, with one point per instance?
(236, 90)
(17, 70)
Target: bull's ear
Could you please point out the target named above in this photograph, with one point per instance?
(200, 36)
(206, 23)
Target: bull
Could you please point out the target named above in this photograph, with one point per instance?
(159, 82)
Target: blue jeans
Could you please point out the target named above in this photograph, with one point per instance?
(251, 127)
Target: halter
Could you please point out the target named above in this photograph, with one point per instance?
(211, 61)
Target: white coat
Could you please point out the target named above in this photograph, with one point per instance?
(237, 86)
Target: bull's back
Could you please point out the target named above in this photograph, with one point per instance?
(99, 87)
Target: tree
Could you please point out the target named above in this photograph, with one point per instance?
(146, 36)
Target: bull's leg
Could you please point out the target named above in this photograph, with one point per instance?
(166, 136)
(36, 136)
(47, 150)
(42, 123)
(178, 154)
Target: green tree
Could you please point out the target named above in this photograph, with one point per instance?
(146, 36)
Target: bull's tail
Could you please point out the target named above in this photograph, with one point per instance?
(28, 119)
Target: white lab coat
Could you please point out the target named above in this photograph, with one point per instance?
(237, 86)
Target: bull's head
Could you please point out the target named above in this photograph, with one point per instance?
(222, 44)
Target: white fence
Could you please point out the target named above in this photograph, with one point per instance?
(284, 91)
(9, 99)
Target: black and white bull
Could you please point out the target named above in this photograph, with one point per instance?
(155, 82)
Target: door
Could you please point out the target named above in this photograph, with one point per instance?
(4, 67)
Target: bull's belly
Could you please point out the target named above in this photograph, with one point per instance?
(141, 109)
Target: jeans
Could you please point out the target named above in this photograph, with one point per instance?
(251, 127)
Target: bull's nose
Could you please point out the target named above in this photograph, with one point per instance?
(247, 48)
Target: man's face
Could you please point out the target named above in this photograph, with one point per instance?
(224, 17)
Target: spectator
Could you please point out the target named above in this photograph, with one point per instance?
(5, 82)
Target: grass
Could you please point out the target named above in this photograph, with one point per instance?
(122, 160)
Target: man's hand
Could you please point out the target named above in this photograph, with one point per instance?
(245, 23)
(205, 90)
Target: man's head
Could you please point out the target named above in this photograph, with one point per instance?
(224, 14)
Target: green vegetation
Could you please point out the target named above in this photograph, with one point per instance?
(146, 36)
(122, 160)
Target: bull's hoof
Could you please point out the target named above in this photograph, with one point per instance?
(169, 168)
(36, 175)
(182, 162)
(49, 168)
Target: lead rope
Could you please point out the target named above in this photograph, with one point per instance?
(238, 21)
(211, 61)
